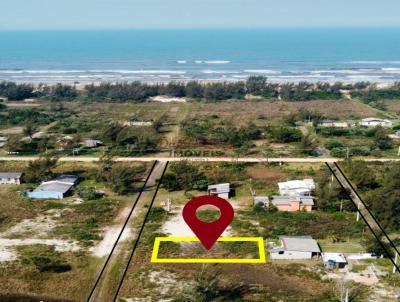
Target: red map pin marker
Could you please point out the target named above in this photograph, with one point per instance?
(208, 232)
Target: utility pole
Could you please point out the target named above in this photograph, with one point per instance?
(395, 261)
(358, 211)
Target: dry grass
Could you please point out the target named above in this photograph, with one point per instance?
(241, 112)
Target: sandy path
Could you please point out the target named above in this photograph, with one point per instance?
(6, 245)
(105, 289)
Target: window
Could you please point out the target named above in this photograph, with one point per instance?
(281, 252)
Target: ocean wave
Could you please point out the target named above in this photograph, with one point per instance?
(340, 71)
(306, 76)
(94, 71)
(209, 71)
(374, 62)
(212, 62)
(364, 77)
(263, 71)
(140, 71)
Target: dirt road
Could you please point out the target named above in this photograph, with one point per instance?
(110, 278)
(206, 159)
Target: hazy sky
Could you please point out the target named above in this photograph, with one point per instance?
(115, 14)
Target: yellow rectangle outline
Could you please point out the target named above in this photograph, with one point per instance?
(158, 240)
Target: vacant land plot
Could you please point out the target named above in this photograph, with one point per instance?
(241, 112)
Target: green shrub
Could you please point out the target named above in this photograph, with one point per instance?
(333, 144)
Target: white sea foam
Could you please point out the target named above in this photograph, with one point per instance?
(338, 71)
(181, 61)
(209, 71)
(263, 71)
(212, 62)
(217, 62)
(374, 62)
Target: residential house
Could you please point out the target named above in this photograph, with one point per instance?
(373, 122)
(297, 187)
(286, 203)
(334, 260)
(54, 189)
(293, 203)
(296, 247)
(331, 123)
(220, 190)
(92, 143)
(12, 178)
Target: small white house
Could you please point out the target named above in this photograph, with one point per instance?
(220, 190)
(334, 260)
(374, 121)
(296, 187)
(92, 143)
(333, 124)
(10, 178)
(296, 247)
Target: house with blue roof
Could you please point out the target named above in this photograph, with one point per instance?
(54, 189)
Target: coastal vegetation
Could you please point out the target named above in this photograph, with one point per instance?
(218, 91)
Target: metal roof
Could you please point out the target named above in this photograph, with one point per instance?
(67, 178)
(297, 184)
(335, 257)
(10, 175)
(54, 187)
(220, 188)
(280, 200)
(300, 244)
(61, 184)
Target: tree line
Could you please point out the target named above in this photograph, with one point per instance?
(218, 91)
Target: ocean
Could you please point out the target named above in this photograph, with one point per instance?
(283, 55)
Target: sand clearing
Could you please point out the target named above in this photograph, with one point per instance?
(167, 99)
(37, 230)
(177, 227)
(6, 245)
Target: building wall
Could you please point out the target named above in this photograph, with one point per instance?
(293, 207)
(291, 255)
(11, 181)
(306, 208)
(45, 195)
(294, 192)
(373, 124)
(224, 195)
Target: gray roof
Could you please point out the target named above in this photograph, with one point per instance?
(68, 178)
(280, 200)
(54, 187)
(300, 244)
(220, 188)
(62, 184)
(10, 175)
